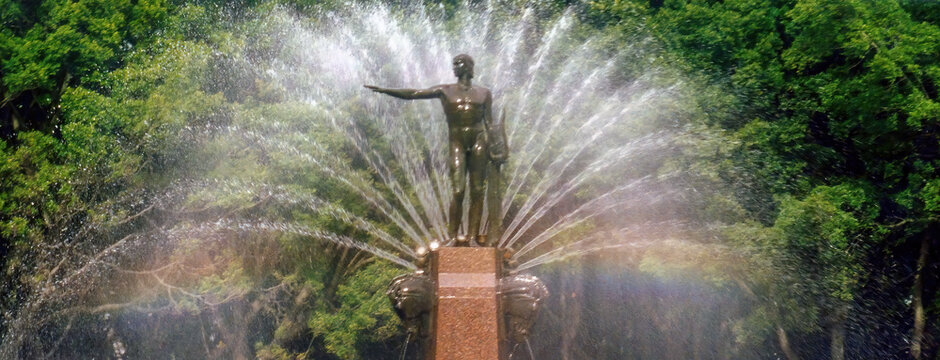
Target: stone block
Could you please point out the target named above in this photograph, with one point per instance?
(467, 315)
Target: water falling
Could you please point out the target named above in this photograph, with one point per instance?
(589, 131)
(575, 119)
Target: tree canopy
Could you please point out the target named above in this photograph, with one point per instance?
(814, 161)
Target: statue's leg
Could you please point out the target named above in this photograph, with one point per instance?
(477, 168)
(458, 177)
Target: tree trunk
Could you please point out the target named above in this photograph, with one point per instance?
(782, 337)
(837, 339)
(919, 318)
(785, 344)
(572, 289)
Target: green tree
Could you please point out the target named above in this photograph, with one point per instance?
(55, 44)
(823, 95)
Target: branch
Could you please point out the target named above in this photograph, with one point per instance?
(58, 342)
(132, 217)
(91, 262)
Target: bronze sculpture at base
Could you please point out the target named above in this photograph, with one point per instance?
(465, 305)
(412, 297)
(521, 296)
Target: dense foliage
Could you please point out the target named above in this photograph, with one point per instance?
(818, 165)
(836, 135)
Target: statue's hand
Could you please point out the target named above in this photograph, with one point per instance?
(498, 152)
(497, 149)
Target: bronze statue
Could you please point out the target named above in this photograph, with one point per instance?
(521, 297)
(476, 141)
(412, 297)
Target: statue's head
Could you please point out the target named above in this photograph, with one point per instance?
(463, 65)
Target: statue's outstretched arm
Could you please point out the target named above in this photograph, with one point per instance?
(409, 94)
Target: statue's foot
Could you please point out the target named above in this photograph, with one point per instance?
(461, 240)
(481, 240)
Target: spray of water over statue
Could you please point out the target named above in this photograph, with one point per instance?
(309, 186)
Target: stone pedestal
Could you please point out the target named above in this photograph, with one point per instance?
(467, 322)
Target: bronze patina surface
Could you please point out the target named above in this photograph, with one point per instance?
(477, 142)
(412, 297)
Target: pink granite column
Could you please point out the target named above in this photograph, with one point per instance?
(467, 321)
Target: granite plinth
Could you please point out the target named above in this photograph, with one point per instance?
(466, 319)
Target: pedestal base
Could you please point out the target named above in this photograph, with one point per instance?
(467, 322)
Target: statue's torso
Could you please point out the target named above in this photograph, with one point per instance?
(464, 108)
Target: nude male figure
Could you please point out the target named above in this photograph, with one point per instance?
(474, 139)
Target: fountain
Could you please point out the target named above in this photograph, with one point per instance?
(466, 312)
(474, 303)
(590, 129)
